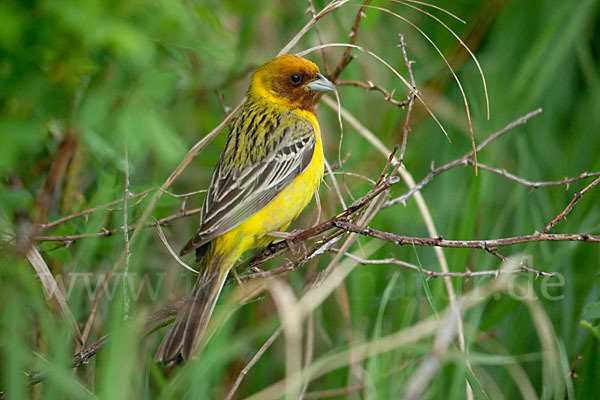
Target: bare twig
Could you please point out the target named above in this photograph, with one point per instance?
(368, 85)
(411, 99)
(253, 361)
(89, 211)
(347, 56)
(570, 206)
(534, 184)
(428, 273)
(474, 244)
(493, 251)
(313, 12)
(83, 357)
(140, 196)
(434, 7)
(110, 232)
(225, 107)
(462, 160)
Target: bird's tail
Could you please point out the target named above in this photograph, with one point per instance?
(192, 319)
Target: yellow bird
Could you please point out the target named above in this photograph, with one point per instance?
(268, 172)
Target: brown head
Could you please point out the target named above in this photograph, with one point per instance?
(290, 81)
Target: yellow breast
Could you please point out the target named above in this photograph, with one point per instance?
(283, 209)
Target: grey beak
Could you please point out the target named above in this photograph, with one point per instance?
(321, 84)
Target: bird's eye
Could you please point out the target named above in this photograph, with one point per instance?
(296, 79)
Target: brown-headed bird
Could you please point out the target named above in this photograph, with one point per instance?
(268, 172)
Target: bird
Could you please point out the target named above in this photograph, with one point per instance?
(267, 173)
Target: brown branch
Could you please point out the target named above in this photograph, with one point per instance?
(253, 361)
(347, 56)
(493, 251)
(534, 184)
(109, 232)
(462, 160)
(411, 99)
(83, 357)
(570, 206)
(313, 12)
(473, 244)
(89, 211)
(430, 273)
(338, 165)
(368, 85)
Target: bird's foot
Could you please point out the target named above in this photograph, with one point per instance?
(289, 240)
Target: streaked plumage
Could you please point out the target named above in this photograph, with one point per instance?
(267, 173)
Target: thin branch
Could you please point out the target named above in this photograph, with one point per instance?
(428, 273)
(346, 226)
(110, 232)
(462, 160)
(534, 184)
(353, 174)
(313, 12)
(83, 357)
(368, 85)
(326, 10)
(493, 251)
(89, 211)
(570, 206)
(411, 99)
(347, 56)
(132, 196)
(253, 361)
(473, 244)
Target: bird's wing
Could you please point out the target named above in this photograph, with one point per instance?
(262, 156)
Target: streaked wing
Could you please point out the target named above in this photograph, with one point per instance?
(245, 181)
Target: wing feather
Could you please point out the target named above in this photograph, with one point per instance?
(246, 179)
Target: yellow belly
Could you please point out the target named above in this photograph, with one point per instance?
(281, 211)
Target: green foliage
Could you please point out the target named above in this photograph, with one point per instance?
(135, 84)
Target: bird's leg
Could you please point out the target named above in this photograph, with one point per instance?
(236, 276)
(289, 240)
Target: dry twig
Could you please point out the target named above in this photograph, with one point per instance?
(570, 206)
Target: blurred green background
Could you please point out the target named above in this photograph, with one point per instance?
(93, 91)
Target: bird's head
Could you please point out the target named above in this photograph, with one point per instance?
(290, 81)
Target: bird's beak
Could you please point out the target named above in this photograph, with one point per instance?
(321, 84)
